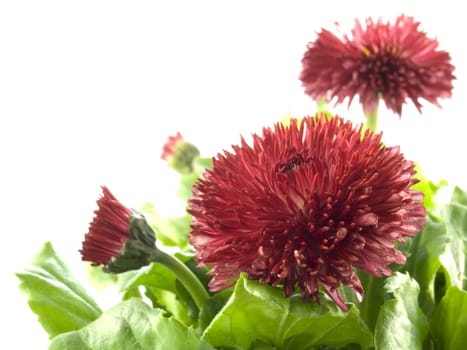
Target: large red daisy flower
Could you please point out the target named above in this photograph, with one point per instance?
(303, 206)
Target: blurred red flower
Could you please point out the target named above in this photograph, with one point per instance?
(394, 62)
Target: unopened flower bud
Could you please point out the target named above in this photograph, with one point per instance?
(180, 154)
(119, 238)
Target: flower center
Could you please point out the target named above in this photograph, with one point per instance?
(383, 71)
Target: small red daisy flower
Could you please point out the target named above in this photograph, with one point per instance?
(119, 238)
(303, 206)
(394, 62)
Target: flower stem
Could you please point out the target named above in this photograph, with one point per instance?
(373, 300)
(372, 120)
(184, 274)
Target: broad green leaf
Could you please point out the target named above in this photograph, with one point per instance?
(429, 189)
(99, 279)
(449, 322)
(154, 275)
(186, 184)
(188, 180)
(131, 325)
(201, 164)
(401, 323)
(175, 231)
(454, 259)
(260, 314)
(423, 262)
(212, 307)
(172, 232)
(55, 295)
(162, 288)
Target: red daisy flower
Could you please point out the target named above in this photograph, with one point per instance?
(118, 238)
(393, 62)
(303, 206)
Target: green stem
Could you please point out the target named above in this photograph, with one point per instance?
(184, 274)
(372, 120)
(373, 299)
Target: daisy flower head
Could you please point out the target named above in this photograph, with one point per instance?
(395, 62)
(304, 205)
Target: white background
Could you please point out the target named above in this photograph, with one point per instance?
(90, 91)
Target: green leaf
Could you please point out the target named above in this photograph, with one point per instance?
(55, 295)
(373, 299)
(162, 288)
(429, 189)
(201, 164)
(154, 275)
(437, 254)
(131, 325)
(212, 307)
(454, 258)
(99, 279)
(449, 322)
(172, 232)
(423, 262)
(188, 180)
(401, 323)
(260, 314)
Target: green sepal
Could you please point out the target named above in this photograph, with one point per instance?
(138, 251)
